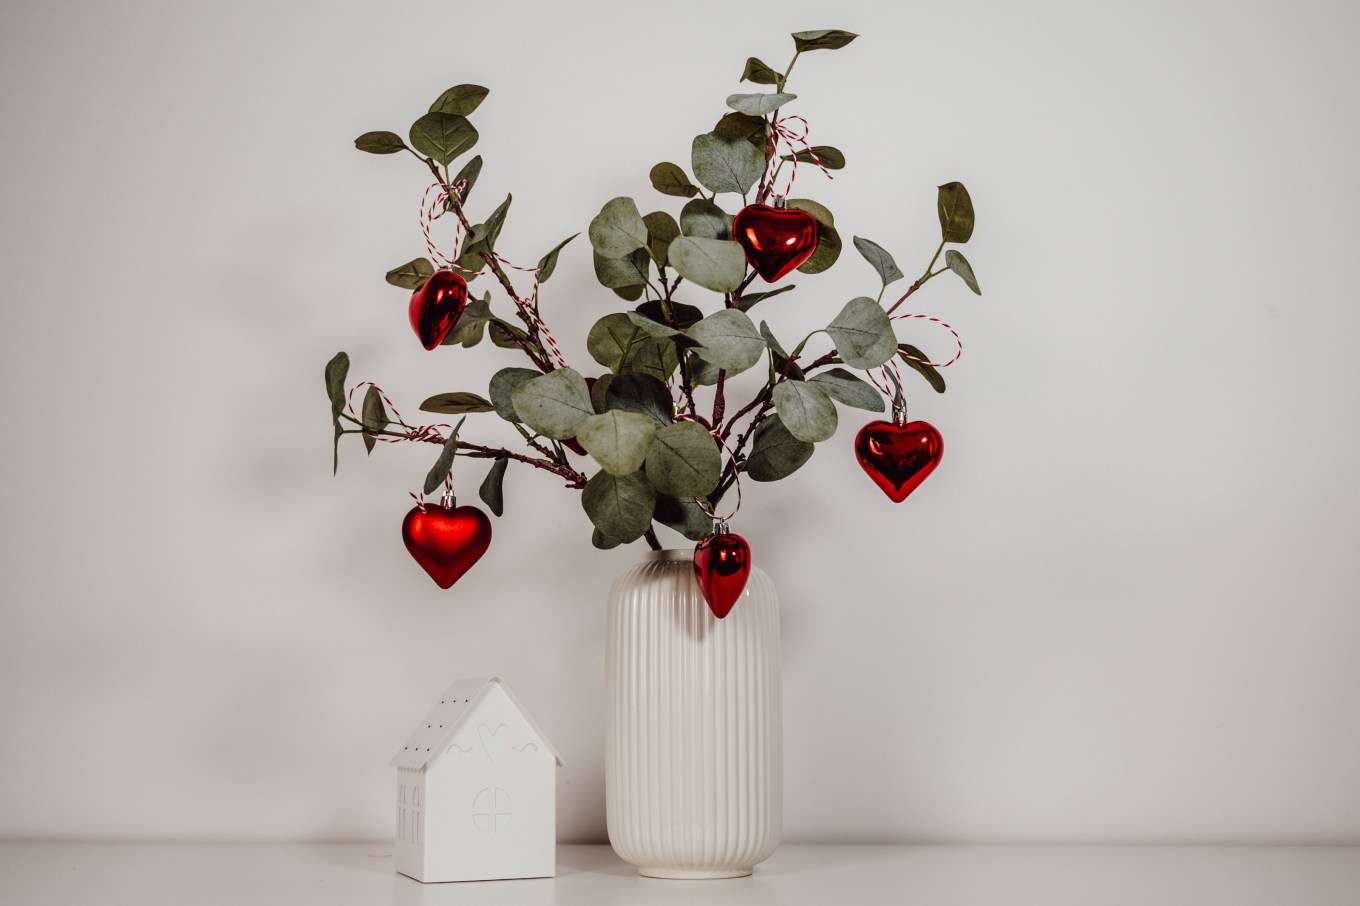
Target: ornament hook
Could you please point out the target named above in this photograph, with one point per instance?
(449, 501)
(720, 527)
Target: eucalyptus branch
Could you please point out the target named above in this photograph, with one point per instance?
(573, 478)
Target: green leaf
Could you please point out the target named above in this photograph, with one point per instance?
(471, 325)
(756, 71)
(781, 356)
(460, 403)
(702, 219)
(618, 441)
(620, 506)
(620, 273)
(684, 516)
(843, 387)
(435, 477)
(335, 461)
(825, 39)
(380, 143)
(484, 239)
(442, 136)
(411, 275)
(776, 453)
(654, 328)
(684, 460)
(669, 179)
(716, 264)
(603, 542)
(662, 230)
(701, 373)
(863, 334)
(554, 404)
(618, 230)
(920, 362)
(471, 170)
(492, 490)
(336, 370)
(506, 335)
(828, 240)
(729, 340)
(374, 417)
(725, 164)
(504, 383)
(758, 104)
(956, 212)
(620, 345)
(959, 265)
(818, 211)
(630, 293)
(829, 157)
(750, 129)
(686, 316)
(806, 410)
(471, 260)
(748, 300)
(598, 388)
(879, 258)
(548, 263)
(460, 99)
(641, 394)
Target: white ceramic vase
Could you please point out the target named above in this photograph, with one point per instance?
(694, 761)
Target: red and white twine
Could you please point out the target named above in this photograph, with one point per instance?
(792, 136)
(427, 433)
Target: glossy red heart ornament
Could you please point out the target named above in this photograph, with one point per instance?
(776, 240)
(898, 457)
(435, 307)
(446, 541)
(722, 564)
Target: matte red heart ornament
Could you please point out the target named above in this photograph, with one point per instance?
(898, 457)
(776, 240)
(435, 307)
(446, 541)
(722, 564)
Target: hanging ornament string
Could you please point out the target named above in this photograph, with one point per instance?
(881, 382)
(426, 433)
(792, 136)
(431, 209)
(736, 475)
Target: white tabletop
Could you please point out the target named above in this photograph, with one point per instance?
(111, 874)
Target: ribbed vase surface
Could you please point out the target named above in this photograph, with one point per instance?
(694, 761)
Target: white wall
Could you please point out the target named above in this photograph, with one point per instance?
(1124, 609)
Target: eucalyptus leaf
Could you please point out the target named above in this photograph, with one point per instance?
(806, 410)
(729, 340)
(751, 129)
(492, 490)
(819, 212)
(959, 265)
(775, 453)
(468, 176)
(336, 371)
(684, 460)
(602, 541)
(598, 388)
(748, 300)
(548, 263)
(758, 104)
(554, 404)
(618, 344)
(683, 515)
(620, 506)
(411, 275)
(470, 259)
(780, 355)
(641, 394)
(470, 327)
(668, 179)
(459, 403)
(863, 334)
(652, 327)
(442, 136)
(662, 230)
(955, 208)
(716, 264)
(619, 441)
(827, 156)
(506, 335)
(725, 164)
(632, 269)
(484, 240)
(845, 388)
(374, 416)
(920, 362)
(685, 315)
(701, 373)
(630, 293)
(825, 39)
(502, 389)
(878, 257)
(440, 470)
(460, 99)
(380, 143)
(618, 230)
(827, 253)
(703, 219)
(758, 72)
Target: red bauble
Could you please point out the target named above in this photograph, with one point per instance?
(776, 240)
(898, 457)
(435, 307)
(445, 541)
(722, 564)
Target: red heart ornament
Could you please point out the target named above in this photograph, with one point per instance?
(435, 307)
(898, 457)
(776, 240)
(722, 564)
(446, 542)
